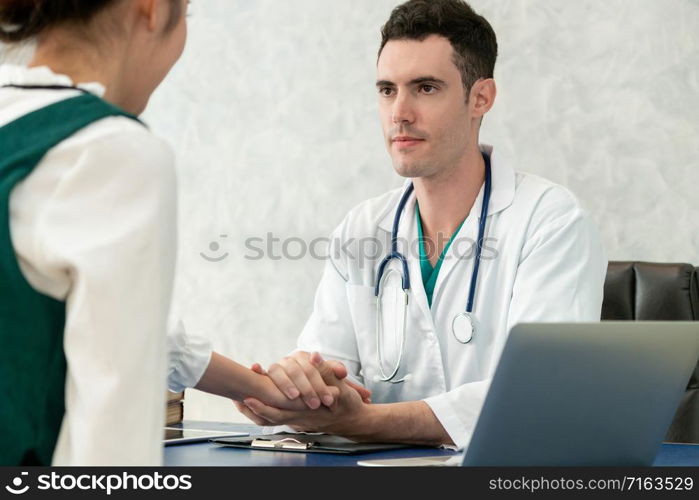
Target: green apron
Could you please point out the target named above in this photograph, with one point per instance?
(32, 361)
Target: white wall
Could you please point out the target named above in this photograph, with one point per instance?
(272, 112)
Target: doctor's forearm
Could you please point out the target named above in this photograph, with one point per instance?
(410, 422)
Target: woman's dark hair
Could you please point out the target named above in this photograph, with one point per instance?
(471, 36)
(24, 19)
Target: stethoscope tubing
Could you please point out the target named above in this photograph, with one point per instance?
(405, 275)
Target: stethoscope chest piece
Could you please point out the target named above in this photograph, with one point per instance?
(462, 327)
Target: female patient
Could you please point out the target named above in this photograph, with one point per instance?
(88, 239)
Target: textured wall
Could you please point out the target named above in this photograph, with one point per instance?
(272, 112)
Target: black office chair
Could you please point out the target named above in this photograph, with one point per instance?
(645, 291)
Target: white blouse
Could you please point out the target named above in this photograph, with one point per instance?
(95, 225)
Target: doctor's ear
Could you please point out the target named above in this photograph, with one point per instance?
(482, 97)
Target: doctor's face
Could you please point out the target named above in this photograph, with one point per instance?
(425, 116)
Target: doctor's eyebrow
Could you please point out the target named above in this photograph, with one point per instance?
(416, 81)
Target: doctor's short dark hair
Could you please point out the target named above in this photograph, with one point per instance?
(25, 19)
(471, 35)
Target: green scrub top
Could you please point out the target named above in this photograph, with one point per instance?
(429, 273)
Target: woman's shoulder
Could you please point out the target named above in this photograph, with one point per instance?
(119, 142)
(121, 135)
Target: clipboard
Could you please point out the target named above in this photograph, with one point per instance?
(306, 443)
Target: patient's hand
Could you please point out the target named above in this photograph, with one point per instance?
(267, 393)
(342, 417)
(271, 395)
(298, 375)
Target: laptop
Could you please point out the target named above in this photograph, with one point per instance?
(580, 394)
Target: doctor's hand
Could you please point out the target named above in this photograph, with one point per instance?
(339, 418)
(298, 375)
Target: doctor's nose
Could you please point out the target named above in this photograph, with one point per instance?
(402, 111)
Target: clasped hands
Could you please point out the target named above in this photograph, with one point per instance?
(310, 394)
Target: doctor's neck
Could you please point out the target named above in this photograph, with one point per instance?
(447, 197)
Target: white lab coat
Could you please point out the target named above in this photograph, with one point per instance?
(95, 225)
(543, 262)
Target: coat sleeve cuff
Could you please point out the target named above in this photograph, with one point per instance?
(189, 356)
(458, 410)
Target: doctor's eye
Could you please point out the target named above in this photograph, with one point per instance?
(428, 89)
(386, 91)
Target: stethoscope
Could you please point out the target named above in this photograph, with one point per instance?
(462, 326)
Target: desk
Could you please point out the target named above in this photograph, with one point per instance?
(207, 454)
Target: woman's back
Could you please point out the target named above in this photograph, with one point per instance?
(92, 223)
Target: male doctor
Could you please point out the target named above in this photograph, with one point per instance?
(543, 261)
